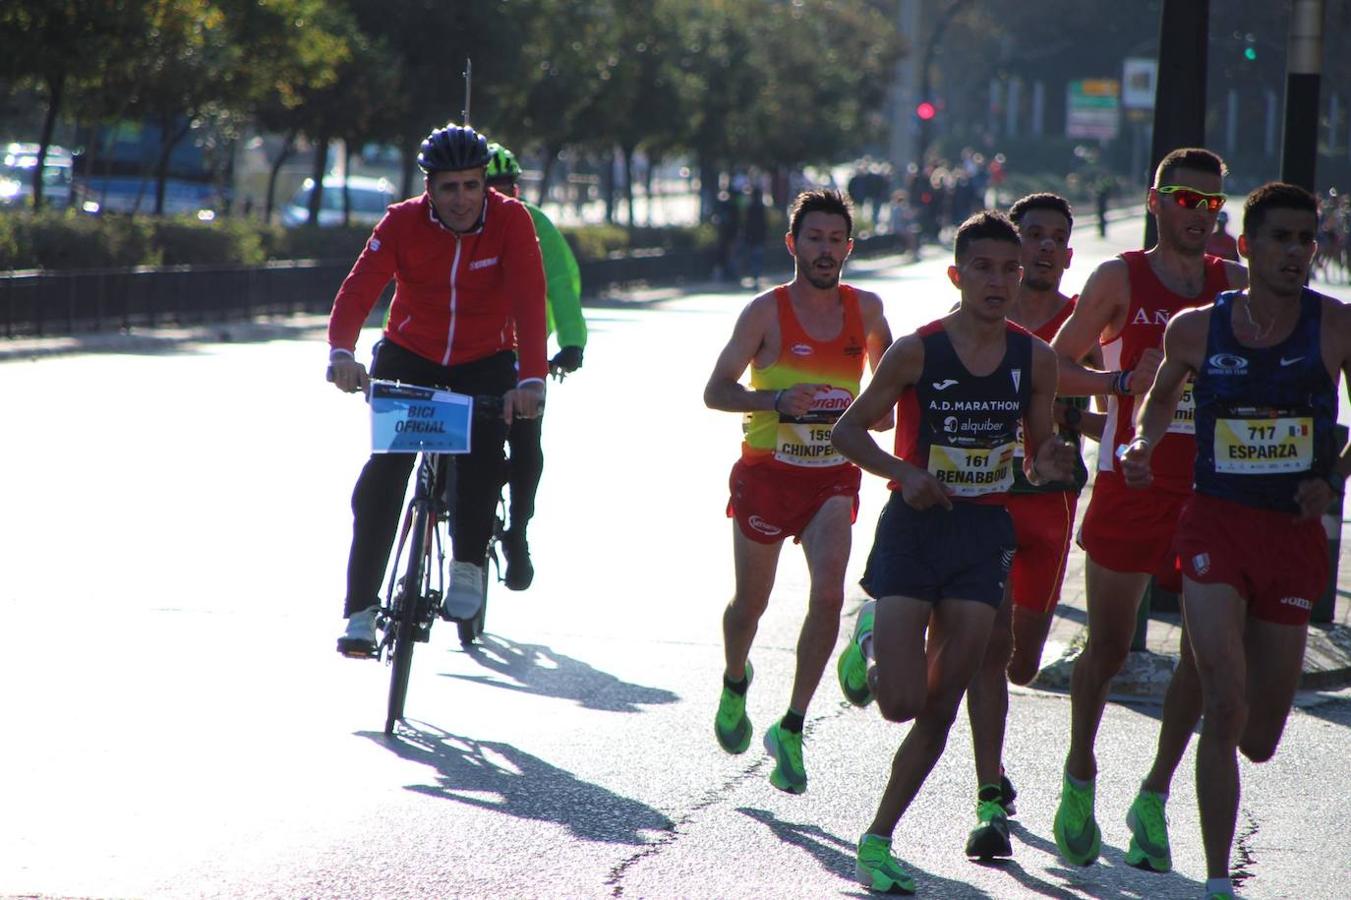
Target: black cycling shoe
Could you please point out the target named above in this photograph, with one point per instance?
(520, 571)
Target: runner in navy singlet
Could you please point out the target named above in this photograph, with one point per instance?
(944, 542)
(1253, 550)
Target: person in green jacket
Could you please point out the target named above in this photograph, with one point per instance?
(564, 312)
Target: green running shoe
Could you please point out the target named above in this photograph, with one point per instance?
(1077, 835)
(786, 748)
(1220, 895)
(877, 870)
(853, 665)
(990, 838)
(1149, 834)
(732, 726)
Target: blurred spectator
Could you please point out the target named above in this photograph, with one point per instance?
(1221, 243)
(727, 218)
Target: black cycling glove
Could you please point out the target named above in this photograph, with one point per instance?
(569, 359)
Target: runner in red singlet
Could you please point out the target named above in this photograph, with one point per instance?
(805, 344)
(1043, 515)
(1128, 533)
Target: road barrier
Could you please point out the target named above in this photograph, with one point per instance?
(38, 302)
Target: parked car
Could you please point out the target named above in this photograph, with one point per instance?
(16, 175)
(368, 198)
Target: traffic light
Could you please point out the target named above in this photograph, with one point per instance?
(925, 111)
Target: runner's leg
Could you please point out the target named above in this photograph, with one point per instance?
(905, 689)
(987, 698)
(1216, 616)
(1275, 655)
(1113, 601)
(755, 564)
(826, 543)
(1181, 712)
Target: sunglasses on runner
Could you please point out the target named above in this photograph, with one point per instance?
(1190, 198)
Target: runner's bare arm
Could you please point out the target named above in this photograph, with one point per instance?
(877, 336)
(1045, 456)
(1100, 313)
(1184, 343)
(899, 368)
(1315, 494)
(755, 327)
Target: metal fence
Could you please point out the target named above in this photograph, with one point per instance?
(37, 303)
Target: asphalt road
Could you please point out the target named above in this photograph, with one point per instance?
(176, 724)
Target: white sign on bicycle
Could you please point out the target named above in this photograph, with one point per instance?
(406, 418)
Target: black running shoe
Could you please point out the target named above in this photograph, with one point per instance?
(520, 571)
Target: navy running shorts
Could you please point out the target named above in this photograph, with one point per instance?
(964, 553)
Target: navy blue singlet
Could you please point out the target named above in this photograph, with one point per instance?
(1265, 411)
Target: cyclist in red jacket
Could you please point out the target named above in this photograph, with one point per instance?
(469, 291)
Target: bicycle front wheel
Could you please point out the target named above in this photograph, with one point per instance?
(405, 611)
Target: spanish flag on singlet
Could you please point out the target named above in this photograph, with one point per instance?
(804, 441)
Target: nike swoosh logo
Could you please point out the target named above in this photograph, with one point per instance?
(1080, 844)
(944, 384)
(1290, 362)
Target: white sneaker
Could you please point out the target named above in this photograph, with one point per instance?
(465, 594)
(359, 639)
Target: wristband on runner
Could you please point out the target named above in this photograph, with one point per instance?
(777, 395)
(1121, 383)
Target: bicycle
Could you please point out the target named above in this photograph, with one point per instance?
(417, 579)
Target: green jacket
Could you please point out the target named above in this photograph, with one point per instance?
(564, 281)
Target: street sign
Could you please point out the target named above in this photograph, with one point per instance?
(1139, 79)
(1093, 109)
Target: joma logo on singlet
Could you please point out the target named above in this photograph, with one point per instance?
(1142, 317)
(482, 263)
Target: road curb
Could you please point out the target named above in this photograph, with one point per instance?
(1146, 673)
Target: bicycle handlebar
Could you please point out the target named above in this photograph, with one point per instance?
(485, 405)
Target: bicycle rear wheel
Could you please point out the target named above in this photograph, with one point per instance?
(404, 606)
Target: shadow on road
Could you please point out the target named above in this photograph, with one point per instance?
(537, 669)
(1092, 881)
(496, 776)
(149, 341)
(836, 855)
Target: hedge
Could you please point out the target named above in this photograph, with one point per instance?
(67, 240)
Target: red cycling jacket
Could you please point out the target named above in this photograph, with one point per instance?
(457, 297)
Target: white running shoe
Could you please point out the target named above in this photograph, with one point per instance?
(465, 594)
(359, 639)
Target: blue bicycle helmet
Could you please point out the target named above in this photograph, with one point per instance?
(452, 149)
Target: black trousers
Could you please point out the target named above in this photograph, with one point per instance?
(527, 465)
(378, 498)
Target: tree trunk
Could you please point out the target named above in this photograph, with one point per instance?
(56, 86)
(546, 174)
(317, 177)
(628, 184)
(647, 185)
(346, 195)
(168, 141)
(607, 184)
(287, 147)
(409, 161)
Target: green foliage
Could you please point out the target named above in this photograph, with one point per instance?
(185, 241)
(51, 240)
(320, 243)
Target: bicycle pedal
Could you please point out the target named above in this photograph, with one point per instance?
(358, 651)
